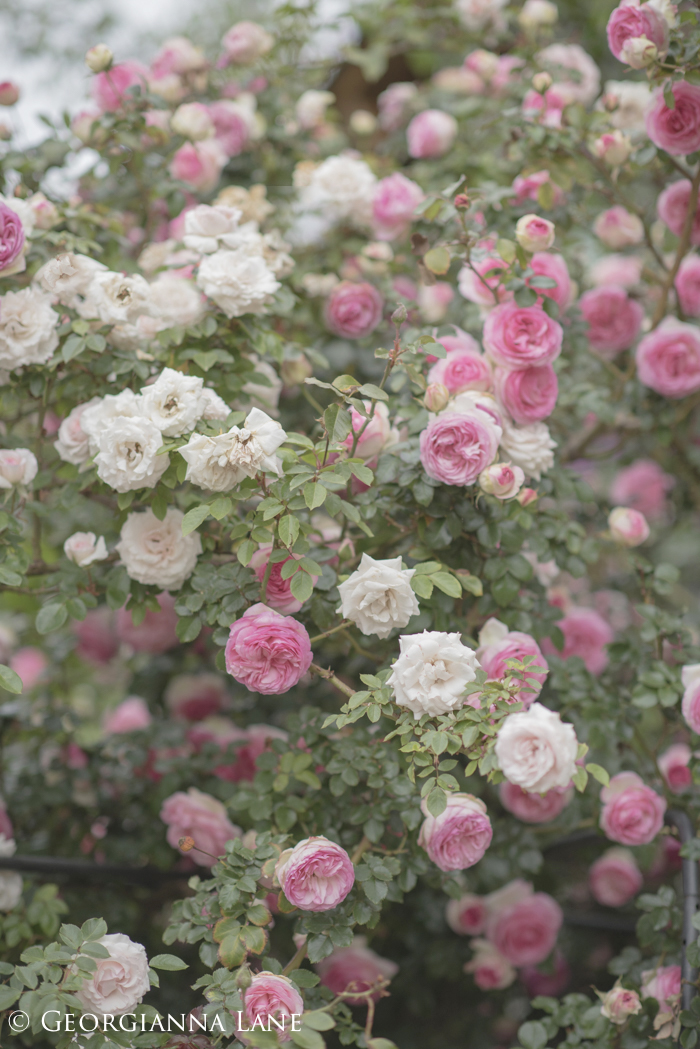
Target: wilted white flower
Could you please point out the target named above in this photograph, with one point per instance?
(205, 226)
(18, 466)
(173, 402)
(156, 552)
(128, 454)
(83, 548)
(432, 671)
(237, 281)
(68, 276)
(536, 750)
(114, 298)
(529, 447)
(220, 463)
(27, 328)
(378, 596)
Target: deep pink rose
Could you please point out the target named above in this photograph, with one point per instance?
(459, 836)
(353, 310)
(525, 932)
(672, 208)
(527, 187)
(632, 813)
(528, 395)
(109, 89)
(668, 359)
(130, 716)
(431, 134)
(395, 200)
(643, 485)
(232, 130)
(467, 915)
(549, 264)
(631, 20)
(514, 645)
(355, 968)
(461, 371)
(155, 633)
(586, 634)
(618, 228)
(614, 319)
(548, 983)
(267, 652)
(688, 285)
(615, 878)
(674, 765)
(30, 664)
(664, 984)
(480, 283)
(97, 641)
(455, 448)
(534, 808)
(270, 998)
(199, 816)
(194, 697)
(676, 130)
(316, 875)
(521, 336)
(199, 164)
(11, 237)
(279, 591)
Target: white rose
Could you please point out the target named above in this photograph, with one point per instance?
(432, 671)
(492, 632)
(265, 397)
(10, 881)
(319, 285)
(341, 188)
(119, 982)
(156, 552)
(155, 256)
(192, 120)
(72, 443)
(173, 301)
(529, 447)
(114, 298)
(215, 408)
(536, 750)
(237, 281)
(311, 107)
(478, 14)
(633, 100)
(173, 402)
(535, 13)
(378, 596)
(83, 548)
(220, 463)
(204, 225)
(18, 466)
(128, 455)
(27, 328)
(99, 414)
(67, 277)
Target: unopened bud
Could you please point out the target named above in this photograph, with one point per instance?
(541, 82)
(399, 315)
(526, 496)
(436, 397)
(244, 978)
(5, 132)
(99, 58)
(639, 52)
(362, 122)
(185, 844)
(294, 371)
(9, 93)
(613, 147)
(461, 201)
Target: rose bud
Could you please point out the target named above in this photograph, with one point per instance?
(436, 397)
(295, 370)
(542, 82)
(619, 1003)
(526, 496)
(462, 200)
(627, 526)
(534, 233)
(501, 480)
(99, 58)
(639, 52)
(9, 93)
(613, 147)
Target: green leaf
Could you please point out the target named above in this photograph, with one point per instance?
(437, 801)
(345, 382)
(314, 494)
(471, 584)
(422, 585)
(10, 681)
(288, 530)
(533, 1035)
(368, 389)
(194, 517)
(220, 508)
(50, 617)
(73, 347)
(245, 551)
(506, 249)
(307, 1038)
(437, 260)
(338, 422)
(304, 977)
(319, 1021)
(232, 951)
(168, 961)
(505, 590)
(580, 779)
(302, 586)
(599, 773)
(447, 583)
(8, 997)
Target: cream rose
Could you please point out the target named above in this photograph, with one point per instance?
(529, 447)
(18, 466)
(432, 671)
(205, 226)
(220, 463)
(119, 982)
(67, 277)
(27, 328)
(378, 596)
(72, 443)
(84, 548)
(156, 552)
(237, 281)
(114, 298)
(102, 412)
(536, 750)
(173, 402)
(128, 455)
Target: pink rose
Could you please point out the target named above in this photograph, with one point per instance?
(624, 270)
(534, 808)
(455, 447)
(528, 395)
(672, 208)
(461, 371)
(467, 915)
(521, 336)
(674, 767)
(278, 594)
(632, 20)
(375, 436)
(615, 878)
(547, 108)
(256, 742)
(586, 634)
(110, 89)
(395, 200)
(9, 93)
(30, 664)
(614, 320)
(512, 645)
(194, 697)
(676, 130)
(199, 816)
(491, 971)
(434, 300)
(316, 875)
(480, 282)
(668, 359)
(272, 998)
(533, 233)
(156, 631)
(618, 228)
(525, 931)
(549, 264)
(632, 813)
(431, 134)
(353, 310)
(551, 983)
(527, 187)
(393, 104)
(355, 968)
(231, 127)
(460, 342)
(130, 716)
(459, 836)
(627, 526)
(619, 1004)
(199, 164)
(11, 237)
(688, 285)
(267, 652)
(246, 41)
(6, 828)
(501, 480)
(97, 641)
(643, 485)
(690, 676)
(664, 984)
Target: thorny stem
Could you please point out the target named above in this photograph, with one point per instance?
(328, 675)
(333, 630)
(391, 361)
(296, 960)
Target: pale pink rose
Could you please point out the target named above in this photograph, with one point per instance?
(627, 526)
(676, 130)
(273, 998)
(664, 984)
(575, 73)
(632, 813)
(551, 982)
(376, 435)
(457, 838)
(11, 238)
(178, 55)
(393, 104)
(460, 342)
(668, 359)
(619, 1004)
(501, 480)
(395, 200)
(278, 594)
(514, 645)
(155, 633)
(481, 282)
(194, 697)
(459, 371)
(355, 968)
(246, 41)
(483, 63)
(232, 126)
(688, 285)
(431, 134)
(467, 915)
(527, 187)
(534, 808)
(434, 300)
(130, 716)
(525, 931)
(490, 969)
(455, 447)
(690, 677)
(97, 641)
(405, 287)
(614, 320)
(267, 652)
(118, 982)
(521, 336)
(199, 164)
(353, 311)
(643, 485)
(631, 20)
(199, 816)
(615, 878)
(109, 90)
(30, 664)
(623, 270)
(549, 264)
(528, 395)
(672, 208)
(534, 233)
(618, 228)
(316, 875)
(546, 108)
(586, 635)
(674, 766)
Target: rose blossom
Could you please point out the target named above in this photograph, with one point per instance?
(672, 208)
(199, 816)
(18, 466)
(632, 813)
(676, 130)
(84, 548)
(11, 241)
(529, 447)
(199, 164)
(392, 104)
(376, 435)
(690, 677)
(431, 673)
(434, 300)
(27, 328)
(664, 984)
(431, 134)
(687, 283)
(119, 982)
(613, 147)
(501, 479)
(586, 635)
(457, 838)
(278, 593)
(109, 90)
(534, 233)
(311, 106)
(9, 93)
(220, 463)
(619, 1004)
(628, 527)
(614, 319)
(622, 270)
(267, 652)
(29, 664)
(353, 311)
(377, 597)
(355, 968)
(529, 394)
(490, 969)
(618, 228)
(173, 402)
(395, 200)
(668, 359)
(536, 750)
(244, 43)
(250, 743)
(155, 633)
(315, 875)
(481, 282)
(455, 447)
(462, 370)
(238, 281)
(526, 930)
(549, 264)
(552, 981)
(195, 696)
(521, 336)
(467, 915)
(674, 767)
(72, 443)
(643, 485)
(534, 808)
(156, 552)
(341, 188)
(478, 15)
(547, 108)
(270, 1000)
(527, 187)
(497, 644)
(632, 20)
(615, 878)
(130, 716)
